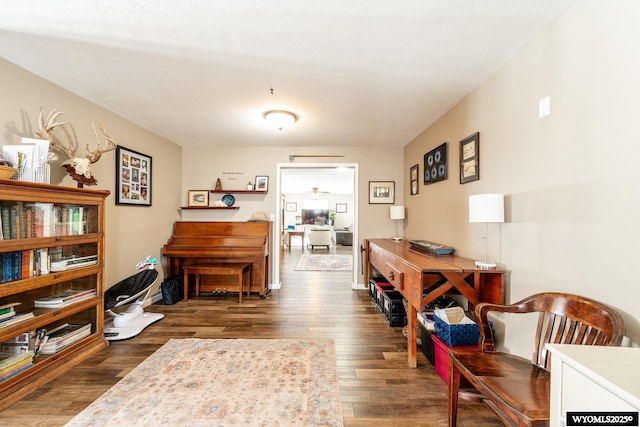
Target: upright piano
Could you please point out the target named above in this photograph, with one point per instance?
(197, 242)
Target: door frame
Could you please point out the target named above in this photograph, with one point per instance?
(275, 250)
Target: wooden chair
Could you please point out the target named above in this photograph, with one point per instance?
(515, 388)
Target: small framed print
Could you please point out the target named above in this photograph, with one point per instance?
(470, 158)
(133, 177)
(413, 179)
(198, 198)
(341, 208)
(291, 206)
(382, 192)
(262, 183)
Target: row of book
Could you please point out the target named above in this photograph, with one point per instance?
(21, 220)
(19, 265)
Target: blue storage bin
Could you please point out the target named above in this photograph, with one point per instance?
(457, 335)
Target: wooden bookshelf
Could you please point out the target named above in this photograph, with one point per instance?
(45, 223)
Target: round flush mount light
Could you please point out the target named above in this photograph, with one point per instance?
(280, 118)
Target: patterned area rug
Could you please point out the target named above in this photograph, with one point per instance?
(227, 382)
(325, 263)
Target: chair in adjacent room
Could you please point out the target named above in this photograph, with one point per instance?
(518, 389)
(317, 236)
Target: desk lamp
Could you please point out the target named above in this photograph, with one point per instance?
(396, 213)
(486, 208)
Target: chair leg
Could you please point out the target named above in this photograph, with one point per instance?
(454, 388)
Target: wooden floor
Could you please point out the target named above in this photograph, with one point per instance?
(376, 385)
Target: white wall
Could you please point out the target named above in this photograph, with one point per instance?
(570, 178)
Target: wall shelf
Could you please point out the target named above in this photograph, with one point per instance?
(237, 192)
(209, 207)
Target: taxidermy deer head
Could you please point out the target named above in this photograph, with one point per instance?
(80, 164)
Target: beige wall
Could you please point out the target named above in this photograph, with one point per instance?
(235, 166)
(570, 179)
(132, 232)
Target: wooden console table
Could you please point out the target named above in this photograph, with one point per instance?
(421, 278)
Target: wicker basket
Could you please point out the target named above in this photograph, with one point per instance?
(6, 172)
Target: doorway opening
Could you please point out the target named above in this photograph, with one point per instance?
(302, 188)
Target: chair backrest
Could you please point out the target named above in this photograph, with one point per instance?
(564, 319)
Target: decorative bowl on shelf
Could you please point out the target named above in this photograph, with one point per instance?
(228, 200)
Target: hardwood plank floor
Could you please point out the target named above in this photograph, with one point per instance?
(376, 385)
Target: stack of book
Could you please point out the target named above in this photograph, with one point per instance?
(8, 315)
(63, 336)
(70, 296)
(14, 363)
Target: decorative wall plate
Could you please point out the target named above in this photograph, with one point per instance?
(228, 200)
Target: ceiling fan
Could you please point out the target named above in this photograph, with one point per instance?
(316, 190)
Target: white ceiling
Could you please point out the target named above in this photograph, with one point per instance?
(199, 72)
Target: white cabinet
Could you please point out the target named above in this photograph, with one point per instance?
(593, 379)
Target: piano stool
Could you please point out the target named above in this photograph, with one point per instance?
(241, 270)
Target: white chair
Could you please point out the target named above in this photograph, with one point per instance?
(316, 236)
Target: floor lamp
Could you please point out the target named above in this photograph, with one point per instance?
(486, 208)
(396, 213)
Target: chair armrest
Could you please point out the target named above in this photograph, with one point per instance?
(486, 342)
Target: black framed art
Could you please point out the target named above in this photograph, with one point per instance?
(470, 158)
(435, 164)
(413, 179)
(133, 177)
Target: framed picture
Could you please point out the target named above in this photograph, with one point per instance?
(262, 183)
(382, 192)
(198, 198)
(413, 179)
(470, 158)
(291, 206)
(133, 177)
(435, 164)
(341, 208)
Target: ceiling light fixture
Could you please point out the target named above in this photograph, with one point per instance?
(280, 118)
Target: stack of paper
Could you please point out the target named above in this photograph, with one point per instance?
(31, 154)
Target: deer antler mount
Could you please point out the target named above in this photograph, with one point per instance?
(79, 166)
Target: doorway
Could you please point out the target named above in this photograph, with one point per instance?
(334, 184)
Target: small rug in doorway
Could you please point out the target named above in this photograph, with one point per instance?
(225, 382)
(325, 263)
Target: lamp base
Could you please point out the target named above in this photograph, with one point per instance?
(397, 239)
(485, 265)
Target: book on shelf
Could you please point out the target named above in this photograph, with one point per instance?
(26, 364)
(63, 336)
(8, 359)
(8, 308)
(61, 299)
(7, 315)
(19, 317)
(73, 262)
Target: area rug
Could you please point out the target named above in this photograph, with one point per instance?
(227, 382)
(325, 263)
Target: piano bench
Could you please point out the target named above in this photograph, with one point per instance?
(241, 270)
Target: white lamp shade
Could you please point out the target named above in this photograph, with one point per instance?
(396, 212)
(486, 208)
